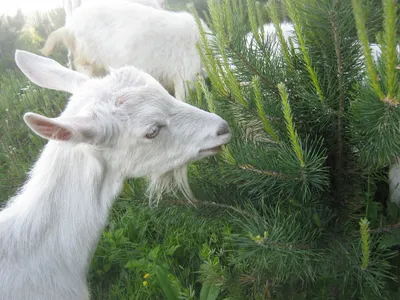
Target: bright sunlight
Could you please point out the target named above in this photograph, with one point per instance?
(27, 6)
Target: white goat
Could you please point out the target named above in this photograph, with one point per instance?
(161, 43)
(71, 5)
(121, 126)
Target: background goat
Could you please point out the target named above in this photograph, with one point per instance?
(161, 43)
(121, 126)
(71, 5)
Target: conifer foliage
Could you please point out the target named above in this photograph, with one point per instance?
(315, 129)
(296, 206)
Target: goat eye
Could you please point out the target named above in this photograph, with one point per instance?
(153, 133)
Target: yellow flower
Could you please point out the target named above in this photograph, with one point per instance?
(145, 283)
(147, 275)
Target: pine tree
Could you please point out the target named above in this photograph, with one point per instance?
(314, 131)
(296, 205)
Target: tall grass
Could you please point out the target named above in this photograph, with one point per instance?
(18, 145)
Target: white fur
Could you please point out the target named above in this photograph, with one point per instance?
(161, 43)
(50, 228)
(71, 5)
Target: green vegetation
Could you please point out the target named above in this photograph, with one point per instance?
(296, 206)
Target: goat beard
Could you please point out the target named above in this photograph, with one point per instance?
(170, 182)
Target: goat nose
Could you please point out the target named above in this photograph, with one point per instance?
(223, 128)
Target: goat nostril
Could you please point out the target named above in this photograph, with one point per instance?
(223, 129)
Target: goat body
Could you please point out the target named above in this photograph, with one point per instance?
(161, 43)
(71, 5)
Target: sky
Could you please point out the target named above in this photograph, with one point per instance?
(10, 7)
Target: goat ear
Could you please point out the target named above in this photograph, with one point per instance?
(73, 129)
(48, 73)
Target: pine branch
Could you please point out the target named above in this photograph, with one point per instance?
(274, 15)
(251, 68)
(294, 16)
(365, 238)
(359, 16)
(295, 141)
(207, 95)
(228, 17)
(390, 7)
(197, 203)
(253, 22)
(340, 133)
(227, 156)
(230, 81)
(259, 11)
(385, 229)
(249, 167)
(265, 243)
(261, 113)
(207, 56)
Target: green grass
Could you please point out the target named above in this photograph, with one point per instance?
(271, 245)
(19, 147)
(164, 243)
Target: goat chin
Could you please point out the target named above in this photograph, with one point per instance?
(170, 182)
